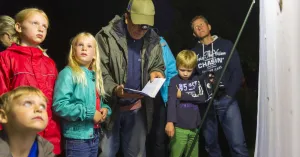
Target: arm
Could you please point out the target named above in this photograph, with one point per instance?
(156, 62)
(103, 105)
(108, 81)
(236, 75)
(170, 71)
(62, 104)
(171, 110)
(4, 75)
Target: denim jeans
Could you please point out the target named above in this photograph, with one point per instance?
(227, 111)
(82, 148)
(129, 131)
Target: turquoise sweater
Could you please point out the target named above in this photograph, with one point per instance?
(76, 104)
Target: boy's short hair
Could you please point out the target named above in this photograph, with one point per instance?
(7, 98)
(187, 59)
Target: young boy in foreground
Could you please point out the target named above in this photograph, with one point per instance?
(23, 114)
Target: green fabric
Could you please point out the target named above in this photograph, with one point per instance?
(114, 57)
(141, 11)
(182, 141)
(76, 104)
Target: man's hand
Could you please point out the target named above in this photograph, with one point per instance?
(119, 91)
(169, 129)
(155, 74)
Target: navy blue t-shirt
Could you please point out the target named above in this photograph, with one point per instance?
(185, 114)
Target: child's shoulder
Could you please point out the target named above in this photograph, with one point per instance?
(66, 71)
(4, 147)
(45, 147)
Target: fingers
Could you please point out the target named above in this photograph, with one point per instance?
(155, 74)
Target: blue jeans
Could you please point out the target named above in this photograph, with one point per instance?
(129, 130)
(228, 112)
(83, 148)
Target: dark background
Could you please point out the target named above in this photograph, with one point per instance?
(172, 21)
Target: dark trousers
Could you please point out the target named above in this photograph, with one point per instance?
(157, 140)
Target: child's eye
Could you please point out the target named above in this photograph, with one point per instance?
(43, 107)
(90, 46)
(27, 104)
(34, 23)
(45, 27)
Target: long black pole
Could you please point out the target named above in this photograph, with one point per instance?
(218, 82)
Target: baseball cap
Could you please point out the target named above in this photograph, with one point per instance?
(141, 12)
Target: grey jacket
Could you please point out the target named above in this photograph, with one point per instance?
(114, 56)
(45, 148)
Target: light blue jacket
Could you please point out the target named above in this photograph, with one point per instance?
(170, 64)
(76, 104)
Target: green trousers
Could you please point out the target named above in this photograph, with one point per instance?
(182, 141)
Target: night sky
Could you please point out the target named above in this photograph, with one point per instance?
(172, 20)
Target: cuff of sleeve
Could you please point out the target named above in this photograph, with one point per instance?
(90, 114)
(171, 119)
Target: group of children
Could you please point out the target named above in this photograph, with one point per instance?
(37, 100)
(33, 90)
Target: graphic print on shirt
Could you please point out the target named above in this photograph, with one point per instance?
(190, 88)
(212, 60)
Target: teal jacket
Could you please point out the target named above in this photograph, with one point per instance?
(170, 64)
(76, 104)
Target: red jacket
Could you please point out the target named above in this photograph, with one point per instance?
(21, 65)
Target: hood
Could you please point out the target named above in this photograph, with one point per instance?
(26, 50)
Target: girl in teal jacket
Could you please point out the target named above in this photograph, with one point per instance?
(78, 98)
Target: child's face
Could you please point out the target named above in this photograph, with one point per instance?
(28, 113)
(85, 51)
(185, 73)
(33, 30)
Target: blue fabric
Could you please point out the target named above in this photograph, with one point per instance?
(76, 104)
(133, 67)
(83, 148)
(129, 131)
(185, 114)
(34, 150)
(170, 65)
(213, 57)
(227, 111)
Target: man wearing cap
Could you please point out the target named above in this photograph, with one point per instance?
(130, 55)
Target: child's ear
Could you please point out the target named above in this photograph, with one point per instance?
(3, 116)
(18, 27)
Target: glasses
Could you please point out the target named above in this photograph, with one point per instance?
(142, 26)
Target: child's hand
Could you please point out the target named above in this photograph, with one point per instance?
(97, 117)
(104, 112)
(178, 92)
(170, 129)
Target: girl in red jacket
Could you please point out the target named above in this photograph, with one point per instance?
(25, 63)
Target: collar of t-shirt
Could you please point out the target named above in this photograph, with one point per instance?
(34, 150)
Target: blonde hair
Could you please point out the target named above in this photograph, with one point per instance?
(24, 14)
(187, 59)
(8, 98)
(79, 76)
(7, 26)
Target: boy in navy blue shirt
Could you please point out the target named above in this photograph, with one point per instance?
(186, 92)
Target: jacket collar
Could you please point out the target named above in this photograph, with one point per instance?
(45, 148)
(26, 50)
